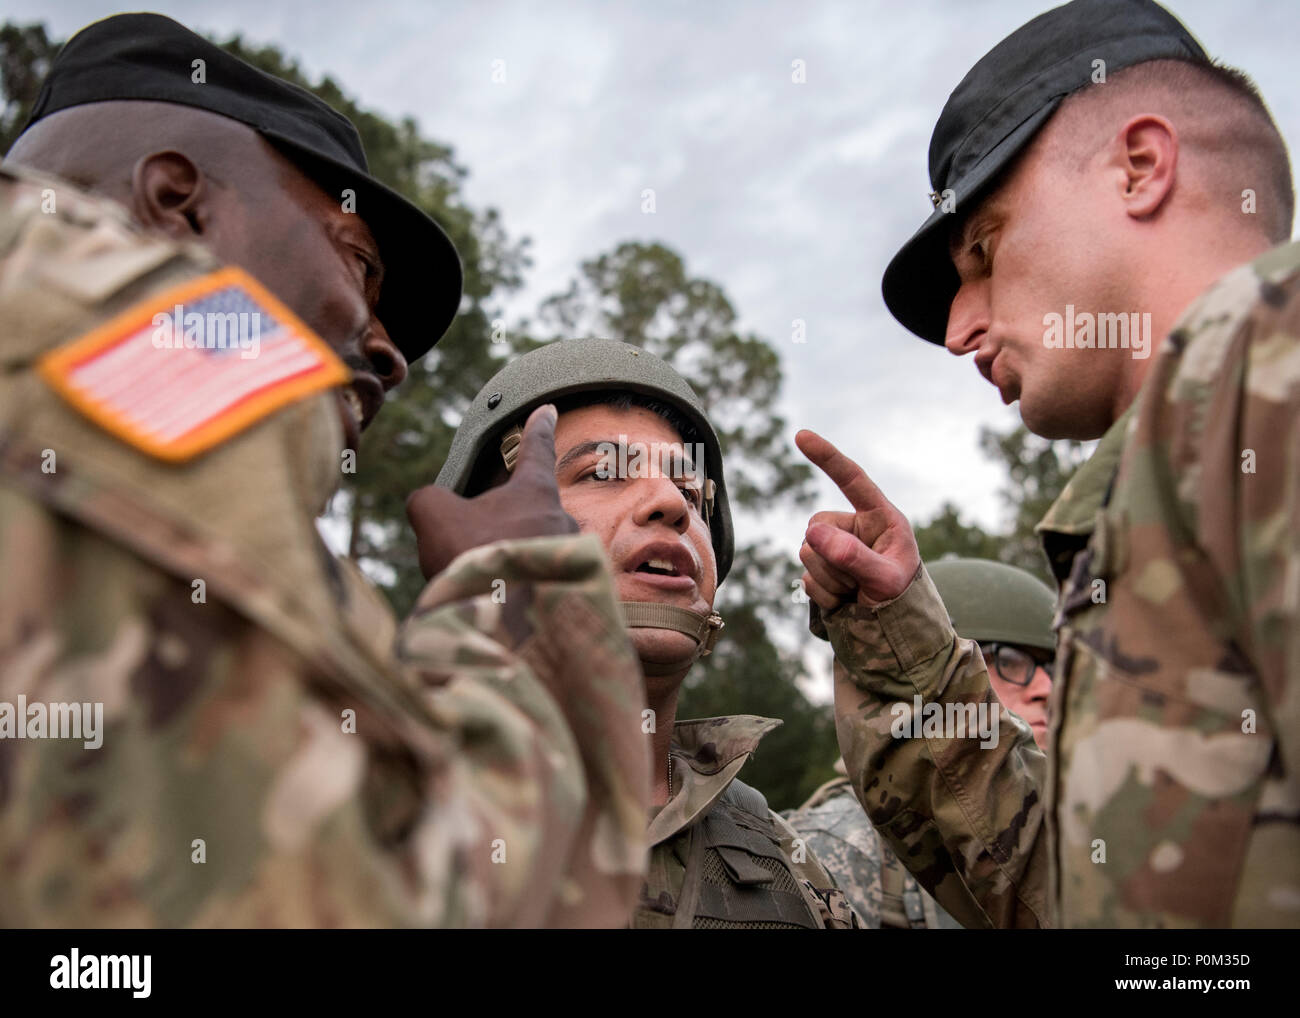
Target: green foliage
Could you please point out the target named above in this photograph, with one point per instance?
(25, 56)
(946, 534)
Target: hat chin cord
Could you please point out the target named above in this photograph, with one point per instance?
(702, 627)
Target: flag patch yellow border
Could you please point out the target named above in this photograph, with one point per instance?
(176, 401)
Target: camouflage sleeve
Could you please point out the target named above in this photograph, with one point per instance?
(520, 649)
(224, 777)
(203, 718)
(964, 814)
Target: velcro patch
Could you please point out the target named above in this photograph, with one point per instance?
(188, 368)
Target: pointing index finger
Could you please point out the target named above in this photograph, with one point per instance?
(858, 488)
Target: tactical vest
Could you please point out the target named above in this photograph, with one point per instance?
(725, 872)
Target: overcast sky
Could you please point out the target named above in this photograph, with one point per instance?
(791, 196)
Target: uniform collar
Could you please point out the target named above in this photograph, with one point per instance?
(1073, 516)
(707, 754)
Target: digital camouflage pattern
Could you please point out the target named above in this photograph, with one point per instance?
(865, 868)
(1172, 797)
(766, 858)
(277, 751)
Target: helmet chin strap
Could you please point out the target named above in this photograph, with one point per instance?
(701, 627)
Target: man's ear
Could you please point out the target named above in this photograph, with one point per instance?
(169, 193)
(1147, 156)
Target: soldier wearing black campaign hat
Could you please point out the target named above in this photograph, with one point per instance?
(152, 58)
(243, 734)
(995, 112)
(1106, 198)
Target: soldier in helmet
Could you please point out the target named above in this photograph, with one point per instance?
(639, 465)
(245, 736)
(1007, 612)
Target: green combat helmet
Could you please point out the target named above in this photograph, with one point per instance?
(492, 427)
(993, 602)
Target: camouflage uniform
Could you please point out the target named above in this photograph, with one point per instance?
(1172, 795)
(879, 887)
(719, 858)
(278, 752)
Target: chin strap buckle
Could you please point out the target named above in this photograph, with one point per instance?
(715, 627)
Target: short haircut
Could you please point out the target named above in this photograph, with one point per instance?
(97, 145)
(1228, 137)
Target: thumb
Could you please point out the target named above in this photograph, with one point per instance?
(537, 447)
(844, 551)
(879, 577)
(427, 500)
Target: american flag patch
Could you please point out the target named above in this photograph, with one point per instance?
(188, 368)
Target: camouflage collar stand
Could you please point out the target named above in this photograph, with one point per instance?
(707, 753)
(1075, 510)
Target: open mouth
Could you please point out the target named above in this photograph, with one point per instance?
(665, 565)
(657, 567)
(353, 402)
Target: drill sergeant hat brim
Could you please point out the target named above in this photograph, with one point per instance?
(993, 115)
(150, 57)
(991, 602)
(571, 367)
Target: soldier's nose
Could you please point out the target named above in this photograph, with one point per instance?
(968, 320)
(385, 358)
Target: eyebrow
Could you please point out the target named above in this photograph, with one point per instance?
(582, 449)
(602, 445)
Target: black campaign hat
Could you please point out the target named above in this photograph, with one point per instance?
(994, 113)
(150, 57)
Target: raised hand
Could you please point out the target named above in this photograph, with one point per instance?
(527, 505)
(868, 555)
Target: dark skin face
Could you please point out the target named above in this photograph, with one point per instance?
(321, 261)
(222, 185)
(201, 177)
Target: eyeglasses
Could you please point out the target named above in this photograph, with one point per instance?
(1013, 664)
